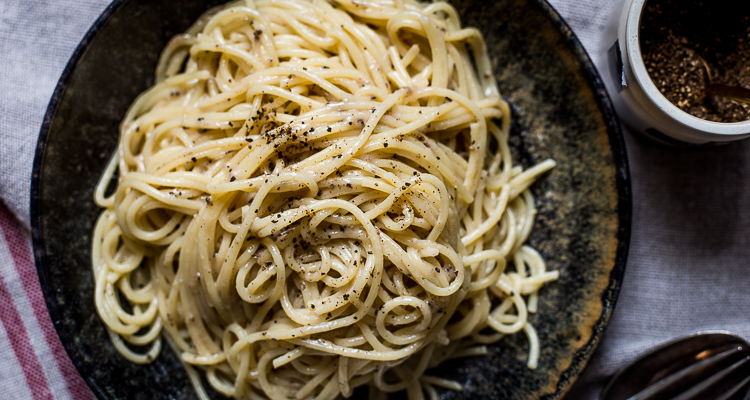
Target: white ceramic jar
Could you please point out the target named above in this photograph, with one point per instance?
(639, 103)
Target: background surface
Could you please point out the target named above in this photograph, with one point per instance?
(687, 268)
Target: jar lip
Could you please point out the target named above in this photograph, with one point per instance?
(635, 57)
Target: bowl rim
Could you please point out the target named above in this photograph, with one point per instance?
(624, 209)
(37, 237)
(601, 97)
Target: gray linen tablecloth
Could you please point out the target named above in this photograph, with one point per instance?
(687, 268)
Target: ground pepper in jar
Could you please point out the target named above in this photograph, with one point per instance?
(689, 43)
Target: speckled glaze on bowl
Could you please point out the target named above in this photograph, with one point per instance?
(560, 111)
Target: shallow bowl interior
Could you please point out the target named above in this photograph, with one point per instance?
(560, 111)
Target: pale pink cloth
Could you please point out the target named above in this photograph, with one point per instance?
(687, 270)
(36, 39)
(33, 363)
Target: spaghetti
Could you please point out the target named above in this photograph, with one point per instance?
(313, 197)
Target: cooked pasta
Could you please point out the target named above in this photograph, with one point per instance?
(317, 196)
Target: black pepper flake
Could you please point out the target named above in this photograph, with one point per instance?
(200, 118)
(193, 159)
(232, 179)
(329, 129)
(385, 144)
(230, 123)
(249, 140)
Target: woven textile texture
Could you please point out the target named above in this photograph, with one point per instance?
(687, 268)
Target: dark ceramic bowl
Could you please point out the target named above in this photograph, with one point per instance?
(560, 111)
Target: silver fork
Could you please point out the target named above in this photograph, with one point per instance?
(706, 365)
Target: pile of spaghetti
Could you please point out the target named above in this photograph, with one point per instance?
(315, 196)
